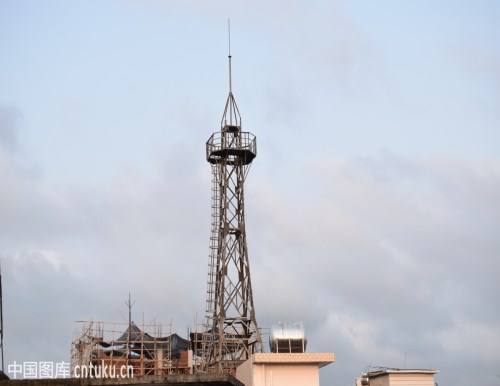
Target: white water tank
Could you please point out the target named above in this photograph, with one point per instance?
(288, 338)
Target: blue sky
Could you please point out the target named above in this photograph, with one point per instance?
(373, 199)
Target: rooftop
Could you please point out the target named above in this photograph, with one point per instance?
(156, 380)
(377, 373)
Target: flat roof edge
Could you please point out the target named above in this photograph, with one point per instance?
(157, 380)
(322, 359)
(379, 373)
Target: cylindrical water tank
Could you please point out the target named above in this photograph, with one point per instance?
(288, 337)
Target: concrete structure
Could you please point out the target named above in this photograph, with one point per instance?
(398, 377)
(283, 369)
(148, 380)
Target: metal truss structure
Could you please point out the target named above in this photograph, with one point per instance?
(231, 333)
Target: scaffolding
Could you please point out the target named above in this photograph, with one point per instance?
(145, 349)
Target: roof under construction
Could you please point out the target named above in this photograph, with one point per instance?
(150, 349)
(142, 343)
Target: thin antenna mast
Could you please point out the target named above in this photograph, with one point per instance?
(129, 305)
(230, 77)
(229, 56)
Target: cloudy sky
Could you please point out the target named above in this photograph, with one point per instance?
(373, 206)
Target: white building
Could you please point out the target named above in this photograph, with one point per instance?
(283, 369)
(398, 377)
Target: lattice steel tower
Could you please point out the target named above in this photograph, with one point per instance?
(231, 333)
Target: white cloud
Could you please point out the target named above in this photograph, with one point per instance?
(383, 256)
(9, 126)
(385, 252)
(395, 248)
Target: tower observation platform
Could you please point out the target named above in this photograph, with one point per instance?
(232, 146)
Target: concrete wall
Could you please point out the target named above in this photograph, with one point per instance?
(148, 380)
(283, 369)
(285, 375)
(382, 380)
(411, 380)
(403, 379)
(244, 373)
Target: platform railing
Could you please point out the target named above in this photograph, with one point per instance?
(242, 140)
